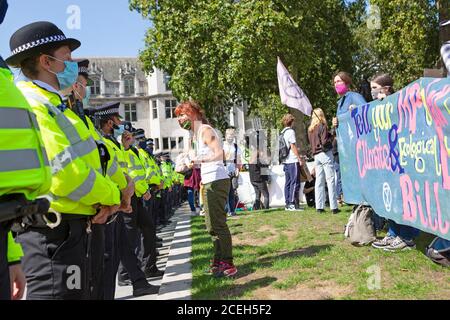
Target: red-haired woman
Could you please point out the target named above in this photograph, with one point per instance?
(215, 181)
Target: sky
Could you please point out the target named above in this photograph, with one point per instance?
(104, 27)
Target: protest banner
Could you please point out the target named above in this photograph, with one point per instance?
(394, 154)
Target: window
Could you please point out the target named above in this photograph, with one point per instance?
(180, 143)
(165, 143)
(130, 112)
(173, 143)
(129, 86)
(155, 109)
(170, 106)
(156, 141)
(166, 81)
(95, 88)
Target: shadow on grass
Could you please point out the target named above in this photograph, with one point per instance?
(267, 262)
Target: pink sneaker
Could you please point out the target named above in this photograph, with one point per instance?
(226, 269)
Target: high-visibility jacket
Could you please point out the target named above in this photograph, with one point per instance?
(113, 169)
(15, 252)
(166, 169)
(24, 167)
(78, 184)
(136, 169)
(152, 170)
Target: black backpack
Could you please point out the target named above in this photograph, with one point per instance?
(283, 148)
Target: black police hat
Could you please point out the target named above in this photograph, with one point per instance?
(139, 134)
(150, 142)
(35, 37)
(83, 68)
(108, 110)
(128, 126)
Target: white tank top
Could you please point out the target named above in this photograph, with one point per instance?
(213, 170)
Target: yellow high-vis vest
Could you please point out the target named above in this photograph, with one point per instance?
(152, 170)
(78, 185)
(15, 252)
(136, 169)
(24, 167)
(113, 170)
(166, 169)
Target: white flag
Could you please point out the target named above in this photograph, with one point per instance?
(290, 93)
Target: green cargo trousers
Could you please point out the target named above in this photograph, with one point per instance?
(214, 198)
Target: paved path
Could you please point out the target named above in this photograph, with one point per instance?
(174, 259)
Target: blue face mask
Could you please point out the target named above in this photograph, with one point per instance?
(119, 132)
(150, 150)
(68, 76)
(3, 9)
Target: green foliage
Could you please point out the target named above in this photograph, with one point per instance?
(222, 51)
(218, 51)
(406, 43)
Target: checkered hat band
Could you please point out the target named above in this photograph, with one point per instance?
(36, 43)
(139, 136)
(83, 70)
(107, 112)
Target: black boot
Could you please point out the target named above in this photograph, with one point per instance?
(153, 272)
(142, 288)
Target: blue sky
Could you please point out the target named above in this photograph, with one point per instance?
(107, 28)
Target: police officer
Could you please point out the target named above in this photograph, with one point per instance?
(56, 259)
(24, 175)
(154, 180)
(108, 121)
(167, 199)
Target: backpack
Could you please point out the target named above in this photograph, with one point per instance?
(360, 229)
(283, 148)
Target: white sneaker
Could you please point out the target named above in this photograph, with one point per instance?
(399, 245)
(202, 212)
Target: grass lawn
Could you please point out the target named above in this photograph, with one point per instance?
(303, 255)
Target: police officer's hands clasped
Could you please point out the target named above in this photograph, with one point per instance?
(105, 212)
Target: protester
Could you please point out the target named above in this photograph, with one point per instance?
(259, 172)
(399, 237)
(291, 164)
(233, 163)
(348, 99)
(215, 181)
(321, 148)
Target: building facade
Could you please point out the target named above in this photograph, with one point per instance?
(145, 100)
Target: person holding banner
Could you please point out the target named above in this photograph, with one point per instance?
(348, 99)
(321, 145)
(399, 237)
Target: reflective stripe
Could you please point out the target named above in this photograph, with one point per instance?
(139, 178)
(24, 159)
(71, 153)
(63, 122)
(45, 157)
(68, 128)
(113, 169)
(14, 118)
(84, 188)
(123, 164)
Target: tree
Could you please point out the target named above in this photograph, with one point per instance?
(407, 41)
(218, 51)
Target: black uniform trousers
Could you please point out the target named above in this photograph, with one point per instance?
(260, 188)
(119, 252)
(5, 293)
(149, 206)
(96, 262)
(56, 261)
(136, 223)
